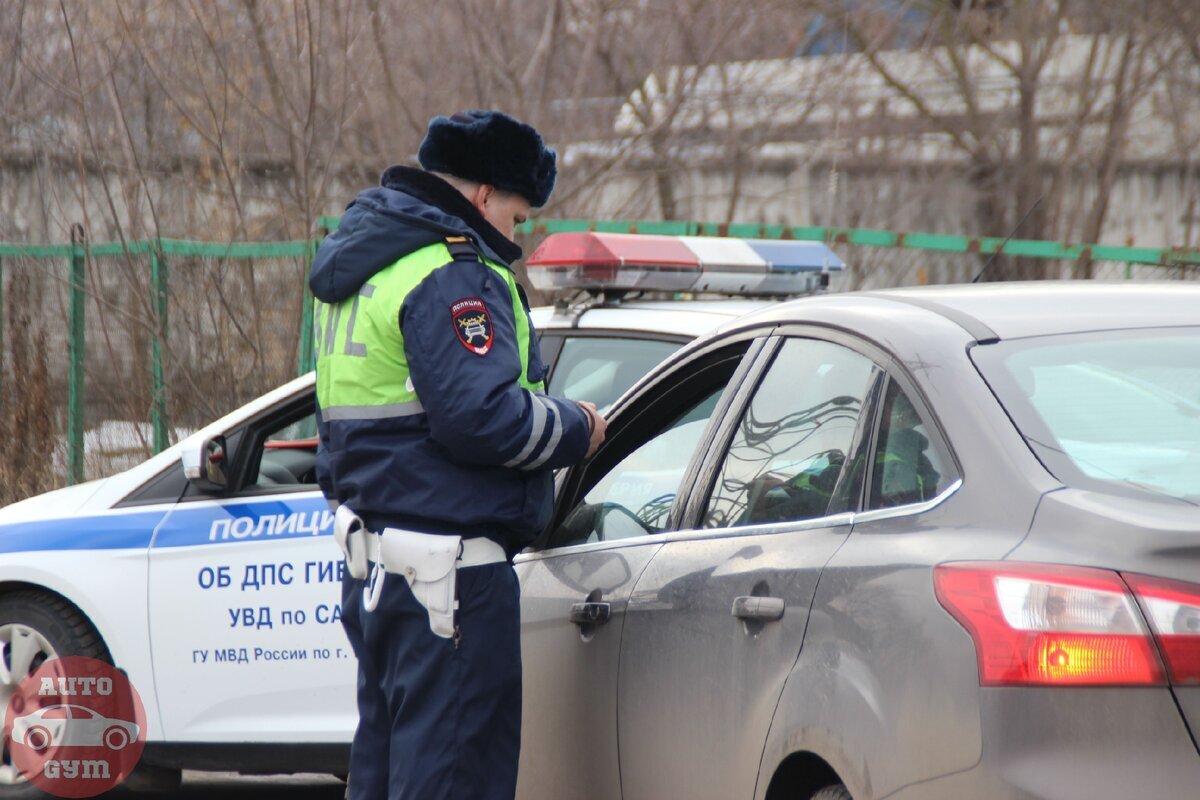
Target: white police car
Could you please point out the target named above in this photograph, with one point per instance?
(207, 572)
(597, 350)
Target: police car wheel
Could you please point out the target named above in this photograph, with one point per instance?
(34, 628)
(835, 792)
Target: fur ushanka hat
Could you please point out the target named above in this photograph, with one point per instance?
(491, 147)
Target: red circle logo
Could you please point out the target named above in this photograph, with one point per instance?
(76, 727)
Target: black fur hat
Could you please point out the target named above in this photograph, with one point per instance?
(491, 147)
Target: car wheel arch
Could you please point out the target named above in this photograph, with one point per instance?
(59, 604)
(799, 776)
(805, 740)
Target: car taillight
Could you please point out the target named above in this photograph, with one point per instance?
(1039, 624)
(1173, 609)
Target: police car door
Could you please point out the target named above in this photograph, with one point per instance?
(575, 586)
(245, 624)
(718, 616)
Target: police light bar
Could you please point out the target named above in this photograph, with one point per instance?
(623, 261)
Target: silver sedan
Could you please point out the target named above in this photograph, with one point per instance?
(929, 543)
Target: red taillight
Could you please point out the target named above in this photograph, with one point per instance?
(1173, 609)
(1037, 624)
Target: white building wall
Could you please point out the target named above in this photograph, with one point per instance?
(1151, 205)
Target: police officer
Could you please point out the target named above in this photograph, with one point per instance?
(437, 446)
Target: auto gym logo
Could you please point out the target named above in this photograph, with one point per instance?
(76, 727)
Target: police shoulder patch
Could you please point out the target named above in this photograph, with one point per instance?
(472, 325)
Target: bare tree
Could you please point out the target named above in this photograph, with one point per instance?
(1062, 109)
(244, 120)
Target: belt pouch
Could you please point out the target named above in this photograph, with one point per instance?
(351, 536)
(428, 562)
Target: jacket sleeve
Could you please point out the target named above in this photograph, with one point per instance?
(475, 406)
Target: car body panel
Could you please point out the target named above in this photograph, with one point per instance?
(107, 584)
(1039, 308)
(682, 643)
(1081, 744)
(1007, 310)
(570, 671)
(554, 578)
(1188, 698)
(864, 693)
(60, 502)
(690, 319)
(296, 657)
(1130, 534)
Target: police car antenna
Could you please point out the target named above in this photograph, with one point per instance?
(1012, 233)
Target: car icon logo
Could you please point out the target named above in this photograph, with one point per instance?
(66, 725)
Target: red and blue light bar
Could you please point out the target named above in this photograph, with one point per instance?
(624, 261)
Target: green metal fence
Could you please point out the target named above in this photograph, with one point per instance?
(184, 331)
(867, 237)
(236, 315)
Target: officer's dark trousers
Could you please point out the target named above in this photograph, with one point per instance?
(437, 720)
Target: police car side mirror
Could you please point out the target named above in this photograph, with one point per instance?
(204, 464)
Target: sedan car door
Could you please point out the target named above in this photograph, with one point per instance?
(575, 586)
(245, 618)
(717, 618)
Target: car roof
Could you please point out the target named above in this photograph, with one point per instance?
(1015, 310)
(690, 318)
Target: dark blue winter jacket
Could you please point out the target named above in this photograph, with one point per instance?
(431, 413)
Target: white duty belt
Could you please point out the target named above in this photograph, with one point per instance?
(429, 562)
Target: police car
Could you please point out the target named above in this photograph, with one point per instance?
(599, 349)
(207, 572)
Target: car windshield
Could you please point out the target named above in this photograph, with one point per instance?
(601, 369)
(1111, 410)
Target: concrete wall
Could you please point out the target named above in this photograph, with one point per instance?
(1151, 205)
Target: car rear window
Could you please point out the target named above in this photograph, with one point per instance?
(1110, 410)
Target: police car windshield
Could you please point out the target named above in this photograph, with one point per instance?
(601, 369)
(1113, 410)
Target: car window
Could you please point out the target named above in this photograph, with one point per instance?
(790, 447)
(288, 456)
(635, 497)
(1113, 411)
(78, 712)
(601, 369)
(634, 483)
(908, 467)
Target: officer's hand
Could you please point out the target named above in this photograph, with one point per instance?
(597, 424)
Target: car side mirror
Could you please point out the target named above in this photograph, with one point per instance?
(204, 465)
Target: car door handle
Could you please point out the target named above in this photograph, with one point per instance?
(590, 613)
(764, 609)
